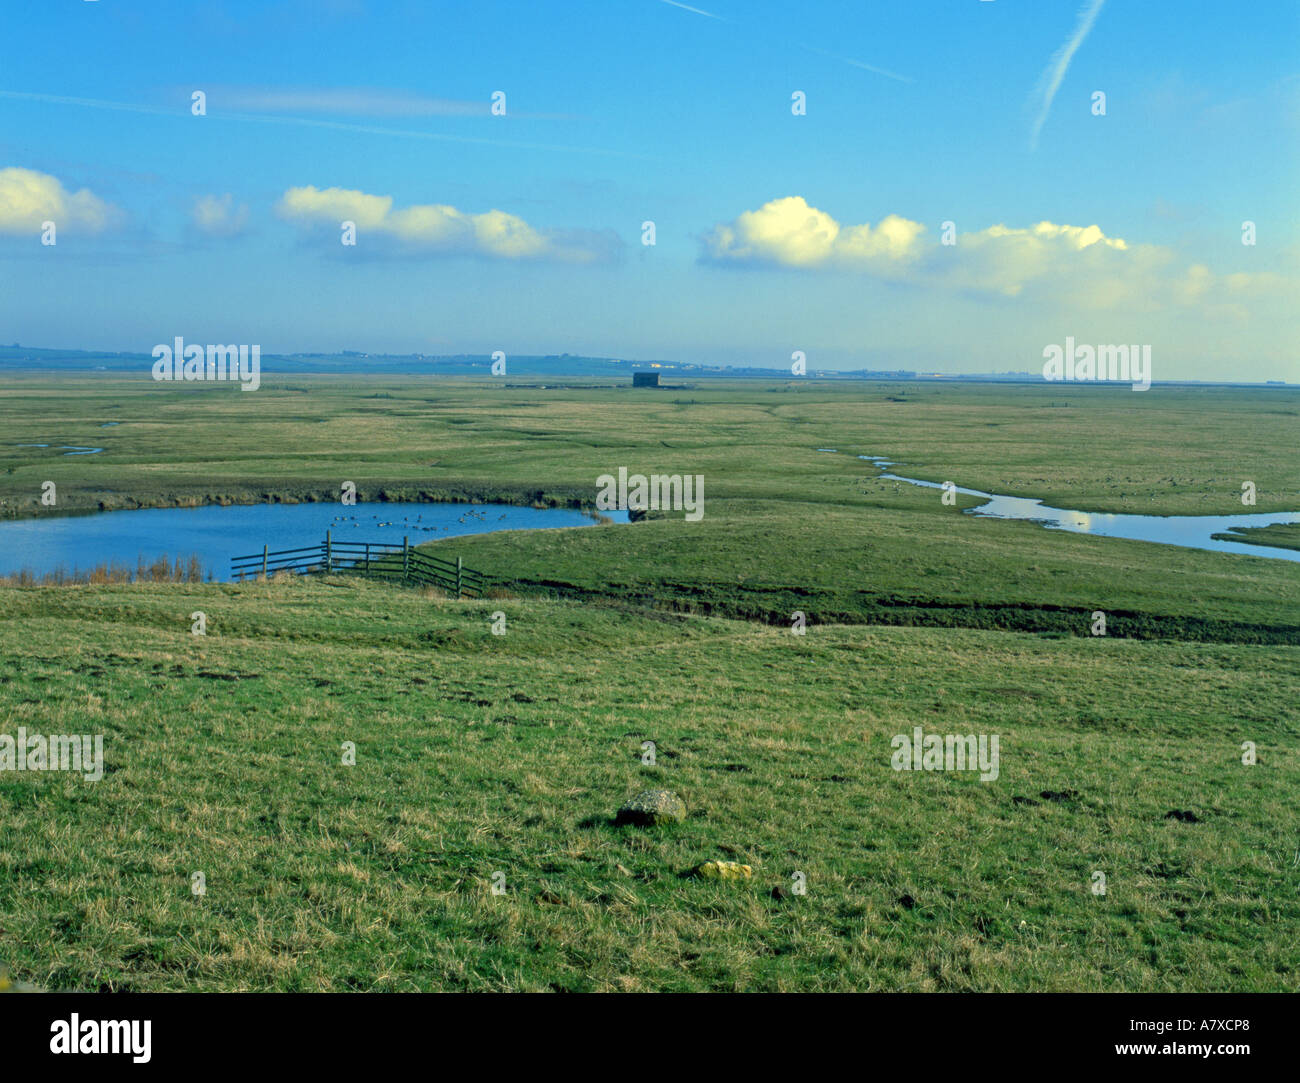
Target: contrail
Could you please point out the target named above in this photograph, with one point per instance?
(305, 122)
(687, 7)
(810, 48)
(1059, 64)
(858, 64)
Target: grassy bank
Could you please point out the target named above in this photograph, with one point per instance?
(906, 561)
(1277, 535)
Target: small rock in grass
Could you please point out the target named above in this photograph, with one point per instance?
(651, 807)
(724, 870)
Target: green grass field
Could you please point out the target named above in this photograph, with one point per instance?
(1171, 451)
(479, 754)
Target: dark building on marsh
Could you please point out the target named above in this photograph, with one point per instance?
(645, 379)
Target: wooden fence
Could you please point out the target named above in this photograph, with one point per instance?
(386, 560)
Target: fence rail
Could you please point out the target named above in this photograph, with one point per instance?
(384, 559)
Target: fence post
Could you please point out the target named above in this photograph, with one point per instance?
(458, 577)
(264, 549)
(367, 556)
(406, 555)
(329, 553)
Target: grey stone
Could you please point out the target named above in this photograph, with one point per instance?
(651, 807)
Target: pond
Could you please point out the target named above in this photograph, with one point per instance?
(1188, 531)
(215, 533)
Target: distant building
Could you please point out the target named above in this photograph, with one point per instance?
(645, 379)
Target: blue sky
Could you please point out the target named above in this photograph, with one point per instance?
(774, 232)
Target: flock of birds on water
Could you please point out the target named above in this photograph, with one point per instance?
(416, 523)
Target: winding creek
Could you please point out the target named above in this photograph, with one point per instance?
(68, 449)
(1188, 531)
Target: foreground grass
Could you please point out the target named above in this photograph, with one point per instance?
(479, 754)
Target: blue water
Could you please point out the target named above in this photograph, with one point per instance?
(1188, 531)
(215, 533)
(69, 449)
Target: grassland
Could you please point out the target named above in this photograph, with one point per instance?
(481, 753)
(787, 527)
(1169, 451)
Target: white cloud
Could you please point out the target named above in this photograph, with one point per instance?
(788, 232)
(1004, 260)
(310, 204)
(218, 216)
(28, 198)
(438, 228)
(1078, 266)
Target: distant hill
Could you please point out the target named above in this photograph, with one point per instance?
(352, 362)
(15, 358)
